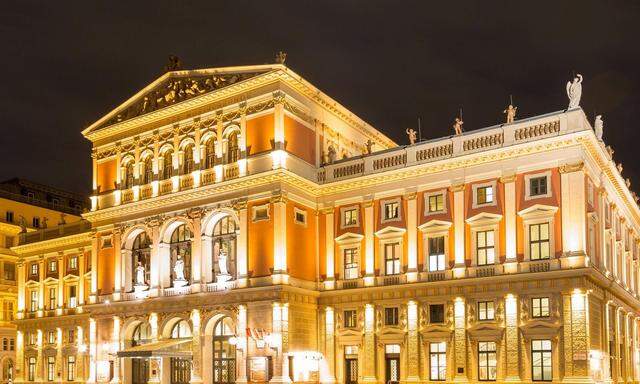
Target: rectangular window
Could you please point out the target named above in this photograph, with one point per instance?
(51, 337)
(438, 361)
(261, 213)
(7, 310)
(52, 298)
(351, 263)
(391, 316)
(5, 344)
(487, 361)
(436, 203)
(71, 336)
(300, 216)
(73, 299)
(392, 258)
(9, 271)
(35, 222)
(541, 360)
(484, 195)
(31, 369)
(485, 310)
(34, 269)
(33, 304)
(51, 368)
(350, 217)
(350, 318)
(72, 263)
(71, 368)
(391, 210)
(12, 344)
(436, 254)
(539, 241)
(540, 307)
(436, 313)
(53, 266)
(485, 249)
(538, 186)
(9, 216)
(32, 339)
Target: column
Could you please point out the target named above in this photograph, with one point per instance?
(136, 170)
(369, 346)
(21, 289)
(329, 346)
(606, 369)
(413, 342)
(94, 180)
(115, 341)
(206, 247)
(40, 363)
(117, 256)
(573, 209)
(117, 193)
(175, 178)
(154, 272)
(278, 154)
(509, 183)
(576, 335)
(241, 251)
(81, 270)
(280, 326)
(59, 363)
(460, 341)
(93, 351)
(195, 174)
(512, 372)
(94, 268)
(60, 293)
(412, 237)
(604, 263)
(196, 348)
(458, 230)
(279, 203)
(19, 371)
(369, 244)
(329, 240)
(219, 128)
(241, 346)
(242, 140)
(41, 272)
(196, 251)
(155, 188)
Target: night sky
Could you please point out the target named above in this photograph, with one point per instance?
(65, 64)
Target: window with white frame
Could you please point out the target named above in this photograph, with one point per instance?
(73, 299)
(71, 368)
(391, 210)
(33, 303)
(485, 310)
(51, 368)
(72, 263)
(485, 247)
(31, 368)
(51, 337)
(52, 298)
(392, 258)
(34, 269)
(351, 269)
(438, 361)
(539, 307)
(436, 254)
(484, 194)
(300, 216)
(541, 360)
(53, 266)
(350, 318)
(538, 185)
(260, 212)
(350, 217)
(539, 241)
(435, 203)
(487, 361)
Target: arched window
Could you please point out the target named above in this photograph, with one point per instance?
(128, 175)
(232, 148)
(181, 330)
(224, 353)
(141, 253)
(224, 246)
(141, 334)
(167, 165)
(187, 163)
(210, 153)
(180, 248)
(147, 170)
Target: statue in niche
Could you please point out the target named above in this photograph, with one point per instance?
(178, 269)
(413, 135)
(574, 91)
(140, 272)
(511, 113)
(598, 127)
(331, 154)
(222, 262)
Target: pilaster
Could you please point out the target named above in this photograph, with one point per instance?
(572, 181)
(369, 228)
(369, 344)
(280, 273)
(460, 341)
(412, 237)
(458, 230)
(329, 247)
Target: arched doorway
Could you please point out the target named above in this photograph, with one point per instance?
(224, 353)
(180, 367)
(140, 366)
(224, 248)
(180, 251)
(140, 255)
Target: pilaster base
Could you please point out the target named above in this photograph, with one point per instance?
(460, 379)
(369, 280)
(411, 379)
(512, 379)
(369, 379)
(578, 379)
(280, 379)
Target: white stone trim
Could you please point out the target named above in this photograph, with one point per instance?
(538, 214)
(254, 211)
(527, 185)
(442, 192)
(474, 191)
(343, 210)
(485, 222)
(435, 228)
(303, 212)
(383, 210)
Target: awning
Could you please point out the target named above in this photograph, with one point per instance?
(162, 348)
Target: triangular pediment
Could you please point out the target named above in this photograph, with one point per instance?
(484, 217)
(175, 87)
(540, 328)
(349, 237)
(435, 225)
(538, 210)
(390, 231)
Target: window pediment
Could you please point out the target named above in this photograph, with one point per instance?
(538, 211)
(484, 218)
(540, 329)
(50, 280)
(389, 232)
(70, 277)
(486, 332)
(435, 226)
(349, 238)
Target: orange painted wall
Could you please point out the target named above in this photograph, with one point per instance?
(495, 209)
(259, 134)
(301, 141)
(301, 244)
(106, 269)
(322, 249)
(106, 177)
(260, 243)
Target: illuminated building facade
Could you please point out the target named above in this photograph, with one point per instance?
(244, 231)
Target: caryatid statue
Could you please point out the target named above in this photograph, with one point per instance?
(574, 91)
(140, 274)
(511, 113)
(413, 135)
(598, 127)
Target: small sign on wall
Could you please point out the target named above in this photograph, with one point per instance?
(579, 356)
(258, 369)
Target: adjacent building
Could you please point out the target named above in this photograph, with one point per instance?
(244, 229)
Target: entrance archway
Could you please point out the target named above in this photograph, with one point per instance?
(224, 353)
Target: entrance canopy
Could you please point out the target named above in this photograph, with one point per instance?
(162, 348)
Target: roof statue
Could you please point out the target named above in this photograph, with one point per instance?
(413, 135)
(369, 144)
(598, 126)
(281, 57)
(173, 64)
(574, 91)
(457, 126)
(511, 113)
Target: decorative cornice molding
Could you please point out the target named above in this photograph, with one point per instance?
(569, 168)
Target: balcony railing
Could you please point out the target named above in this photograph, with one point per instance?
(55, 232)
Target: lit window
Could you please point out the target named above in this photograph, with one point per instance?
(73, 263)
(33, 305)
(51, 368)
(52, 298)
(487, 361)
(34, 269)
(350, 217)
(261, 213)
(73, 299)
(181, 330)
(391, 210)
(8, 217)
(31, 369)
(51, 337)
(541, 360)
(436, 313)
(392, 259)
(436, 203)
(485, 310)
(351, 263)
(391, 316)
(71, 368)
(300, 216)
(485, 249)
(350, 318)
(53, 266)
(35, 222)
(484, 195)
(539, 241)
(538, 186)
(540, 307)
(438, 361)
(436, 254)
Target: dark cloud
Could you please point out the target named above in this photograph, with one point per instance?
(65, 64)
